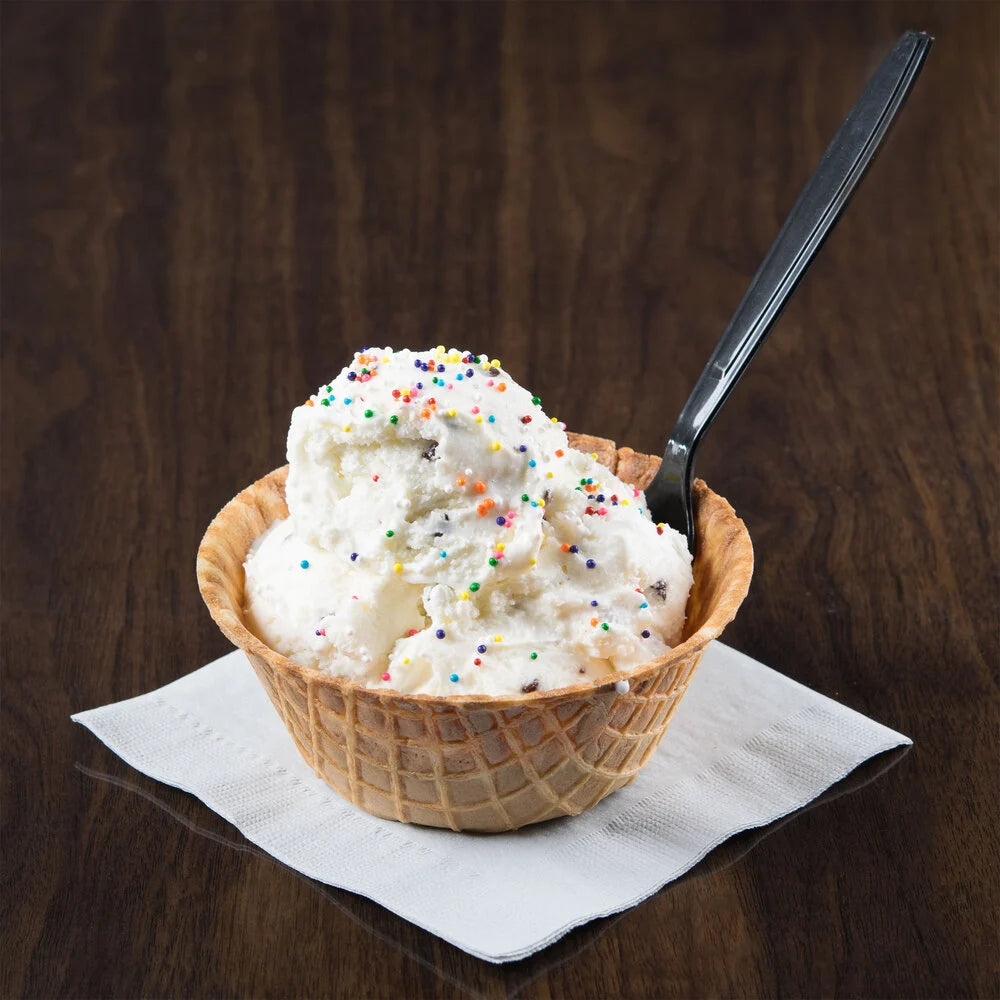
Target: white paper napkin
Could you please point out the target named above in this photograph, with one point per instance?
(746, 746)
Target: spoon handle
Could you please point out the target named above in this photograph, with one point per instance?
(810, 221)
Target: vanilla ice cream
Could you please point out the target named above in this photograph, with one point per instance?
(443, 538)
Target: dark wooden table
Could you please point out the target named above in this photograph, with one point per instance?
(208, 207)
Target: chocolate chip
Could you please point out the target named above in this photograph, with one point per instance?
(530, 686)
(430, 453)
(547, 495)
(494, 371)
(661, 589)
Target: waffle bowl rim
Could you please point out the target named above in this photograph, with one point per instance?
(707, 504)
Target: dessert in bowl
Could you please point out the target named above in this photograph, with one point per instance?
(464, 616)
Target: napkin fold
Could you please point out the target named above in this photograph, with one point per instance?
(746, 746)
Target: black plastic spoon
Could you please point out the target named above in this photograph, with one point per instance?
(810, 221)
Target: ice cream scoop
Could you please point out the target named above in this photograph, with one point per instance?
(443, 538)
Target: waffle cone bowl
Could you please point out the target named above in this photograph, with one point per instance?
(474, 762)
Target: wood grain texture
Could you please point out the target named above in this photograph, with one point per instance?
(208, 206)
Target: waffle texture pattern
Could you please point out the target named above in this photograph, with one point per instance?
(474, 762)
